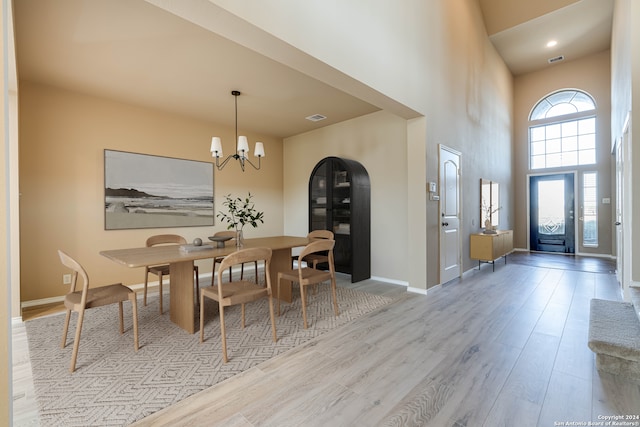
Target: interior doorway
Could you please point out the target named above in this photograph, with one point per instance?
(450, 213)
(551, 213)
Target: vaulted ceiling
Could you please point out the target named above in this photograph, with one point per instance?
(135, 52)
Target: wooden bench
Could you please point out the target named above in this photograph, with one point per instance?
(614, 335)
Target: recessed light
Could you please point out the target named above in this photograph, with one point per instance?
(552, 43)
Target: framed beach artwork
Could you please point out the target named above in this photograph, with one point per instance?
(146, 191)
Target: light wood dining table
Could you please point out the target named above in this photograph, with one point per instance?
(181, 307)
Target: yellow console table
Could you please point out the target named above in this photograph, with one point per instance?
(490, 247)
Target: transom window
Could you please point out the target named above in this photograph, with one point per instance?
(566, 135)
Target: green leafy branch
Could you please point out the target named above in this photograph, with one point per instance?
(242, 211)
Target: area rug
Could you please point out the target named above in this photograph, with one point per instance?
(115, 386)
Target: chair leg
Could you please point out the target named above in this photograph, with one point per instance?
(121, 316)
(66, 329)
(76, 343)
(197, 274)
(241, 271)
(335, 295)
(230, 275)
(146, 280)
(278, 299)
(160, 285)
(243, 312)
(134, 314)
(201, 317)
(315, 285)
(304, 304)
(223, 335)
(273, 320)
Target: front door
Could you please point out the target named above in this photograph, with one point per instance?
(551, 213)
(450, 253)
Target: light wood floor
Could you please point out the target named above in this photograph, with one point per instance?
(499, 348)
(493, 349)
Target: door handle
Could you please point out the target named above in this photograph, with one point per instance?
(618, 223)
(445, 224)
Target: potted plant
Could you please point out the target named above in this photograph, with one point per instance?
(240, 213)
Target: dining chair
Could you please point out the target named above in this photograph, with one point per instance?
(306, 276)
(218, 260)
(317, 258)
(163, 270)
(86, 298)
(238, 292)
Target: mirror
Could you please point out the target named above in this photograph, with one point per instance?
(489, 202)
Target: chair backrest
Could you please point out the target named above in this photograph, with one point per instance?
(321, 245)
(74, 265)
(247, 255)
(320, 234)
(162, 239)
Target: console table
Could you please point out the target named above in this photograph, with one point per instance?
(490, 247)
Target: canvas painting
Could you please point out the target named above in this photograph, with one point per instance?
(146, 191)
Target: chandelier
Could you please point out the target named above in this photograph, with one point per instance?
(242, 148)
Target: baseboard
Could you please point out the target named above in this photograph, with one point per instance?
(608, 256)
(390, 281)
(417, 290)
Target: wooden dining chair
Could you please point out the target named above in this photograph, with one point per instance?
(306, 276)
(238, 292)
(218, 260)
(316, 258)
(164, 270)
(86, 298)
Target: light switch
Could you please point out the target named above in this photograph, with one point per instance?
(606, 201)
(432, 187)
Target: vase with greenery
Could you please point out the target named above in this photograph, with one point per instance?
(487, 213)
(240, 212)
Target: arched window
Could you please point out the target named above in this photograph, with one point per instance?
(562, 130)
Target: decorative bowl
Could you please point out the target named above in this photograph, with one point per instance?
(220, 240)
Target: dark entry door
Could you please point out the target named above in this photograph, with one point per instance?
(552, 213)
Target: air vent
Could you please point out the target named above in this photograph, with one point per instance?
(316, 117)
(556, 59)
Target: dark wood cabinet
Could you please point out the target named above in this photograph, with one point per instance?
(340, 201)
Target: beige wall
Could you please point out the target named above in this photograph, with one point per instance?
(470, 109)
(591, 74)
(625, 58)
(5, 288)
(376, 141)
(465, 94)
(433, 58)
(63, 135)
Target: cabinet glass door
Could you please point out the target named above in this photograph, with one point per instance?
(319, 202)
(341, 202)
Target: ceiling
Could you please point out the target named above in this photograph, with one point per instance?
(520, 30)
(135, 52)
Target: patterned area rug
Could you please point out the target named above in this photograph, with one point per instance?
(115, 386)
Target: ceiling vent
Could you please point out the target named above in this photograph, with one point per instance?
(556, 59)
(316, 117)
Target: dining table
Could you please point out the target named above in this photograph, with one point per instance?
(182, 302)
